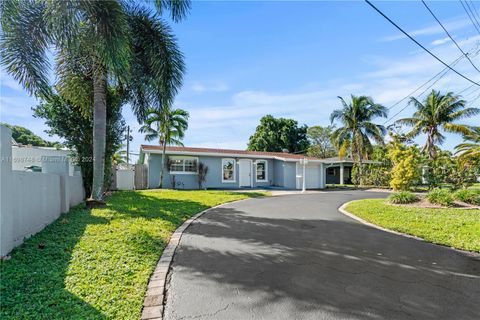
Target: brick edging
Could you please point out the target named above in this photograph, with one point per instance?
(351, 215)
(154, 302)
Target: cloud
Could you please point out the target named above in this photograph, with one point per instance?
(441, 41)
(201, 88)
(454, 24)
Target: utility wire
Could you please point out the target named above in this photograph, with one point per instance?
(419, 44)
(444, 71)
(471, 11)
(469, 16)
(448, 33)
(475, 8)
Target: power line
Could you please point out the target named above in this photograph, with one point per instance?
(444, 71)
(469, 16)
(475, 9)
(471, 11)
(448, 33)
(419, 44)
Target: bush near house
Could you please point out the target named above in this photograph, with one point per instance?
(442, 197)
(403, 197)
(471, 196)
(95, 264)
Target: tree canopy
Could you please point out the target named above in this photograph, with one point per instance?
(24, 136)
(320, 142)
(277, 134)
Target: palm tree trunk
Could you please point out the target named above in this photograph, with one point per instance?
(163, 164)
(99, 133)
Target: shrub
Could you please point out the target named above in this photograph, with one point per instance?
(468, 196)
(406, 162)
(402, 197)
(440, 196)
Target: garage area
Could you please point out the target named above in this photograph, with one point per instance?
(314, 175)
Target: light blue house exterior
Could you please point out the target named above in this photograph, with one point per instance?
(231, 169)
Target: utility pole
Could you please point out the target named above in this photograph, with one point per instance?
(129, 138)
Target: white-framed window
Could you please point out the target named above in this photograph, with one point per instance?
(183, 165)
(261, 170)
(228, 170)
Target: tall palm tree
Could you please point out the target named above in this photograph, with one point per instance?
(469, 152)
(96, 43)
(437, 111)
(356, 130)
(168, 126)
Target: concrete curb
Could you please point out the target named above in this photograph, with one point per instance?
(155, 297)
(345, 212)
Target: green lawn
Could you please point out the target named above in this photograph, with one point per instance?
(458, 228)
(95, 264)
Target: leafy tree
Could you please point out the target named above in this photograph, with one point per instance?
(71, 123)
(97, 43)
(24, 136)
(168, 126)
(320, 142)
(277, 134)
(406, 166)
(469, 152)
(353, 137)
(437, 111)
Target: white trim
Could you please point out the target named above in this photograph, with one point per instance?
(240, 172)
(266, 170)
(183, 158)
(234, 171)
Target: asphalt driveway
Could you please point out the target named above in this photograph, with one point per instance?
(297, 257)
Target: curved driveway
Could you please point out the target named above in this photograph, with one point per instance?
(297, 257)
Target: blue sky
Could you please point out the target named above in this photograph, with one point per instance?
(292, 59)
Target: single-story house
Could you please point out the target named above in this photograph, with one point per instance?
(339, 171)
(234, 169)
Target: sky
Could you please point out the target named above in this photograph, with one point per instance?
(292, 59)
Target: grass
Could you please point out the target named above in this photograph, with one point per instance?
(95, 264)
(458, 228)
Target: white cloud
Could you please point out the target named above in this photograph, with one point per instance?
(215, 87)
(454, 24)
(439, 42)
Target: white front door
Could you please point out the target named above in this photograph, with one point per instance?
(245, 173)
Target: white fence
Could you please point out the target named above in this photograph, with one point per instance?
(29, 201)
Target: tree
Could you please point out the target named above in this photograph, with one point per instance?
(353, 137)
(437, 111)
(279, 134)
(97, 43)
(469, 152)
(24, 136)
(71, 123)
(168, 126)
(320, 142)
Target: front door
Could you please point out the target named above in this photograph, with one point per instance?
(245, 174)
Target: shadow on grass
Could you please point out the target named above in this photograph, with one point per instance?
(32, 281)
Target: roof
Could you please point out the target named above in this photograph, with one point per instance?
(230, 152)
(345, 160)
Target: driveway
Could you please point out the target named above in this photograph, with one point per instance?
(297, 257)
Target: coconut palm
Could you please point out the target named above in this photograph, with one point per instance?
(357, 130)
(168, 126)
(437, 111)
(469, 152)
(96, 43)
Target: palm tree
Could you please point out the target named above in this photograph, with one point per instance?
(469, 152)
(357, 128)
(437, 112)
(168, 126)
(97, 43)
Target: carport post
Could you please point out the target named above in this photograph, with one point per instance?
(303, 175)
(341, 174)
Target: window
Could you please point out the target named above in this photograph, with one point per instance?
(228, 170)
(261, 170)
(183, 165)
(331, 171)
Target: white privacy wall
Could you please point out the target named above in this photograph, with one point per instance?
(29, 201)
